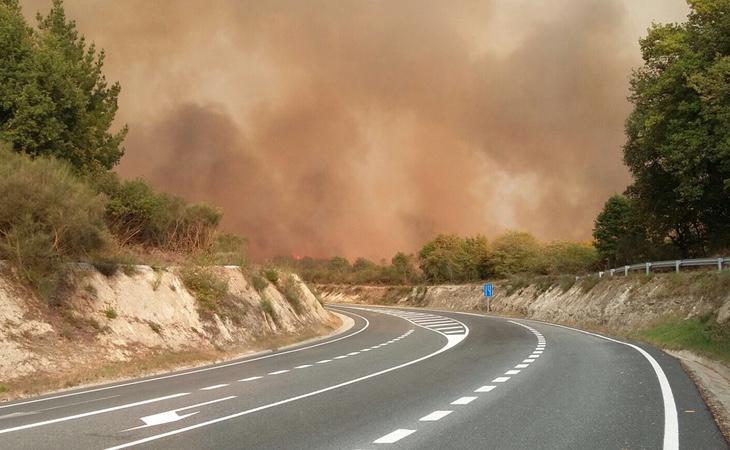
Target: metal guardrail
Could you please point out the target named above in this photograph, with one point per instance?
(675, 264)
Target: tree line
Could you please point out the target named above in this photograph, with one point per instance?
(450, 258)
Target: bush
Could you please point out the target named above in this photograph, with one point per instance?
(136, 214)
(259, 283)
(47, 216)
(271, 275)
(291, 293)
(110, 313)
(226, 250)
(207, 288)
(268, 308)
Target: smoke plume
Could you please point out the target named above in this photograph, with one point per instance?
(365, 127)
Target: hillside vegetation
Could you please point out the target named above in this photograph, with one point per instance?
(60, 201)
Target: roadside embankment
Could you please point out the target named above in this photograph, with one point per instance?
(142, 320)
(687, 312)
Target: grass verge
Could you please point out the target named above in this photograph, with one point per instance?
(700, 335)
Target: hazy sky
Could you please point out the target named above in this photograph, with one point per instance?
(365, 127)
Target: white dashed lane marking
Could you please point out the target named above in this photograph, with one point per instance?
(438, 325)
(250, 378)
(216, 386)
(278, 372)
(434, 416)
(393, 437)
(484, 389)
(463, 400)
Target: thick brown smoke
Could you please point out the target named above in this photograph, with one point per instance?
(365, 127)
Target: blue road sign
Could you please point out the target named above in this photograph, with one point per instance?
(488, 290)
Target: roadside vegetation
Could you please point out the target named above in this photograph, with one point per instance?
(453, 259)
(60, 200)
(703, 335)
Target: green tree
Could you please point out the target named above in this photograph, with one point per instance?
(678, 135)
(54, 98)
(569, 258)
(476, 254)
(515, 252)
(403, 267)
(618, 233)
(440, 259)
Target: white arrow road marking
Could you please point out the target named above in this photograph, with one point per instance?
(173, 416)
(92, 413)
(451, 341)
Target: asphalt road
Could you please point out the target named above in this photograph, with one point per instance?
(397, 379)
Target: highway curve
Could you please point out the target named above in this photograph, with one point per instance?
(397, 379)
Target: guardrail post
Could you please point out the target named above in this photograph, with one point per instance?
(719, 264)
(600, 274)
(676, 265)
(648, 268)
(612, 272)
(626, 271)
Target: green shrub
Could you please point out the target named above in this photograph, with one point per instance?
(291, 293)
(588, 282)
(225, 250)
(207, 288)
(110, 263)
(110, 313)
(272, 275)
(4, 388)
(566, 282)
(516, 284)
(47, 216)
(259, 283)
(268, 308)
(136, 214)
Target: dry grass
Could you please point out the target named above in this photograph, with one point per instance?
(145, 364)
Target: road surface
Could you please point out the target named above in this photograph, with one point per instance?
(397, 379)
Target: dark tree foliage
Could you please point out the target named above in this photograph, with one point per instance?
(678, 135)
(618, 234)
(54, 98)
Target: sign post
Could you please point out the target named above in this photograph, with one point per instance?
(488, 295)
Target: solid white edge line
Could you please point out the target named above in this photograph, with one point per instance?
(92, 413)
(204, 369)
(451, 341)
(671, 422)
(671, 425)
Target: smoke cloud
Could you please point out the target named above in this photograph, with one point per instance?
(366, 127)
